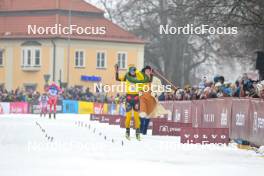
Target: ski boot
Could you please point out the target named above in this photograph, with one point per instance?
(49, 115)
(138, 134)
(54, 115)
(128, 133)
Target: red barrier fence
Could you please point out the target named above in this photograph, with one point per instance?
(19, 108)
(240, 126)
(216, 114)
(168, 105)
(168, 128)
(204, 135)
(256, 129)
(182, 111)
(201, 121)
(244, 118)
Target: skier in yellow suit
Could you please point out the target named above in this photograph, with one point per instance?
(133, 78)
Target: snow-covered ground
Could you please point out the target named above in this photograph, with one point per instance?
(81, 147)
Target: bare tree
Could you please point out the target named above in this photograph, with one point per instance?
(178, 56)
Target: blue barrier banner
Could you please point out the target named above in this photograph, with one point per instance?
(70, 106)
(112, 109)
(122, 109)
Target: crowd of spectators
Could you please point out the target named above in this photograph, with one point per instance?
(218, 87)
(18, 95)
(72, 93)
(75, 93)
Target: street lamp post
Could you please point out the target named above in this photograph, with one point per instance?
(69, 42)
(46, 79)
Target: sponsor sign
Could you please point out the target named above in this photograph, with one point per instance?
(168, 128)
(19, 108)
(192, 135)
(86, 107)
(4, 108)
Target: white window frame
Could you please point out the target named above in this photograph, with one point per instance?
(2, 57)
(24, 55)
(79, 66)
(126, 59)
(34, 86)
(105, 60)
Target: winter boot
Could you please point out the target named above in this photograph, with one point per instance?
(138, 134)
(146, 125)
(128, 133)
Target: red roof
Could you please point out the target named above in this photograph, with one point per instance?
(15, 26)
(24, 5)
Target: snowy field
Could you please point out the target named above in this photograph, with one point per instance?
(71, 145)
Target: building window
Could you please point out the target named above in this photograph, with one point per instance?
(79, 59)
(31, 57)
(2, 86)
(37, 57)
(122, 60)
(1, 57)
(30, 87)
(101, 60)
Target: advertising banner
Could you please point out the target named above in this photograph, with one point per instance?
(95, 117)
(98, 108)
(225, 113)
(112, 109)
(216, 113)
(122, 109)
(105, 108)
(197, 113)
(192, 135)
(105, 118)
(257, 122)
(4, 108)
(168, 128)
(19, 108)
(85, 107)
(35, 108)
(70, 106)
(115, 120)
(168, 105)
(240, 126)
(182, 111)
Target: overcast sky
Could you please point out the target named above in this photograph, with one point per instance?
(96, 3)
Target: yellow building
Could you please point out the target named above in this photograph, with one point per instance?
(69, 40)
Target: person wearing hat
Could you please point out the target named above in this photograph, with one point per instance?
(147, 101)
(132, 80)
(53, 91)
(43, 103)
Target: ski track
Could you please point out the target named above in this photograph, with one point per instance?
(79, 150)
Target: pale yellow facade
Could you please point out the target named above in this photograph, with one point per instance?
(13, 75)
